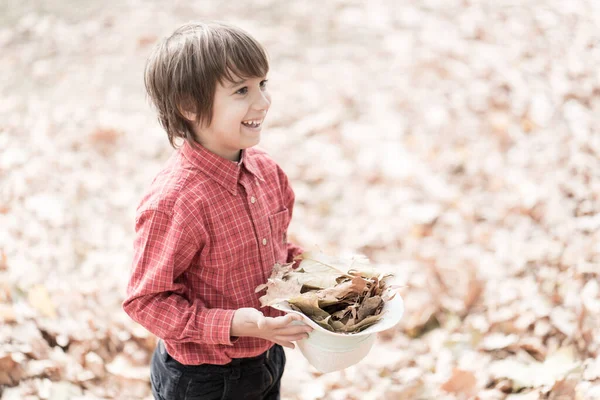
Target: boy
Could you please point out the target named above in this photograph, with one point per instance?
(212, 224)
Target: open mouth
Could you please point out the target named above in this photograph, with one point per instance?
(252, 123)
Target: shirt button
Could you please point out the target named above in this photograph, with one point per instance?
(264, 242)
(252, 199)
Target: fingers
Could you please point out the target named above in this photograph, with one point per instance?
(281, 330)
(286, 340)
(292, 338)
(289, 345)
(294, 317)
(293, 330)
(280, 322)
(256, 317)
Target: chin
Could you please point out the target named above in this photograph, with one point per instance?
(251, 143)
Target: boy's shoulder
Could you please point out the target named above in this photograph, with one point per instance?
(263, 162)
(171, 187)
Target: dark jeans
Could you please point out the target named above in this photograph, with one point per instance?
(257, 378)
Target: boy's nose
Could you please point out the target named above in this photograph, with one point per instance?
(262, 101)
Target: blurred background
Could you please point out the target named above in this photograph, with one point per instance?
(453, 142)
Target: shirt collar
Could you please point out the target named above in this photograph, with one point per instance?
(219, 169)
(248, 160)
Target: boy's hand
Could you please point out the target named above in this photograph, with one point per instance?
(251, 322)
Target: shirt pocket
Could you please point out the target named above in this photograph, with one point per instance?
(279, 223)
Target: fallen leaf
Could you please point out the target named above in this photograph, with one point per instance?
(39, 298)
(105, 137)
(555, 367)
(563, 390)
(144, 41)
(534, 346)
(11, 372)
(44, 368)
(122, 367)
(564, 320)
(461, 382)
(7, 314)
(473, 294)
(498, 341)
(532, 395)
(592, 370)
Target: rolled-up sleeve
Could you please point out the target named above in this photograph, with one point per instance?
(164, 248)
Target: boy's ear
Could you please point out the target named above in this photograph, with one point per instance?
(187, 109)
(190, 116)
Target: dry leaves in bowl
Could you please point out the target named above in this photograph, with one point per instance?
(341, 295)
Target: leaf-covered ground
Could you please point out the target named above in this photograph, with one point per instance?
(453, 142)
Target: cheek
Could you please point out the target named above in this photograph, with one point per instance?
(234, 114)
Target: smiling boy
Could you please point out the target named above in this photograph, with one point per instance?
(212, 223)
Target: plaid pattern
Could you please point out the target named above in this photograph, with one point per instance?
(207, 233)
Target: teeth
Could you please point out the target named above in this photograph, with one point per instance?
(252, 123)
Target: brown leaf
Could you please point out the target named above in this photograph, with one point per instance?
(354, 287)
(405, 392)
(354, 328)
(461, 382)
(563, 390)
(44, 368)
(308, 303)
(421, 320)
(473, 294)
(5, 292)
(144, 41)
(11, 371)
(105, 137)
(7, 314)
(369, 307)
(534, 346)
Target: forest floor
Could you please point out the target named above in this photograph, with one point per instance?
(453, 142)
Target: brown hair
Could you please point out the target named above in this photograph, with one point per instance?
(183, 70)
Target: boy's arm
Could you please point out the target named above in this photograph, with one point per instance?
(164, 249)
(289, 199)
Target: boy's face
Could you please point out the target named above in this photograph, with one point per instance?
(239, 109)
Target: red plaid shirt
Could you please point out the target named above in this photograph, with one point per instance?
(207, 234)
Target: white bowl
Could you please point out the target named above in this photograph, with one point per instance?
(329, 351)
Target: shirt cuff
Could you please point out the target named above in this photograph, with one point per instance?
(217, 327)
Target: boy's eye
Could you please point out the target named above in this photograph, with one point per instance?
(244, 90)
